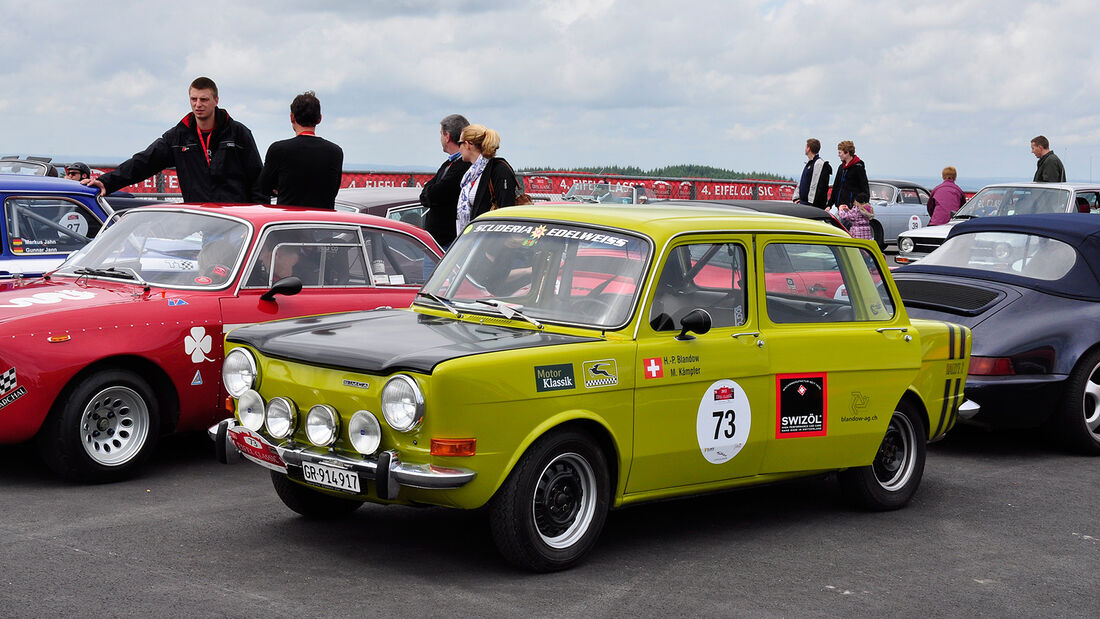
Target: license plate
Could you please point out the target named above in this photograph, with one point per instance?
(330, 477)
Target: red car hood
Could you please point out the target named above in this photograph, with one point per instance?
(60, 296)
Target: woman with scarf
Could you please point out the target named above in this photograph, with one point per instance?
(490, 182)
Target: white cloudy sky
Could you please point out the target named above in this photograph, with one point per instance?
(731, 83)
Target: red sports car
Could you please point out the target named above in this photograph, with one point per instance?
(123, 343)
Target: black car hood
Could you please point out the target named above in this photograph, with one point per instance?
(386, 341)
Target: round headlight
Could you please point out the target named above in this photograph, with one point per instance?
(238, 372)
(250, 410)
(364, 432)
(905, 244)
(402, 403)
(280, 417)
(322, 425)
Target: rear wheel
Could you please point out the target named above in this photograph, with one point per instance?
(890, 481)
(551, 509)
(103, 429)
(880, 237)
(1078, 417)
(311, 503)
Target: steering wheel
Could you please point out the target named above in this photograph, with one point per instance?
(591, 306)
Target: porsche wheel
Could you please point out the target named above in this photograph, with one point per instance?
(102, 430)
(892, 479)
(311, 503)
(551, 509)
(1078, 418)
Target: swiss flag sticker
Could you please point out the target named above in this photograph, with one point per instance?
(653, 368)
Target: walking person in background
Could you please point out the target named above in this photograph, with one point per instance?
(946, 198)
(858, 216)
(440, 194)
(304, 170)
(813, 188)
(851, 177)
(1049, 168)
(215, 156)
(489, 183)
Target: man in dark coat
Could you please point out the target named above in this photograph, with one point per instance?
(813, 188)
(851, 176)
(1049, 168)
(305, 170)
(440, 194)
(215, 157)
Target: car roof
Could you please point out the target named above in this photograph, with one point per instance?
(897, 183)
(1079, 230)
(365, 197)
(662, 223)
(1070, 186)
(262, 214)
(22, 182)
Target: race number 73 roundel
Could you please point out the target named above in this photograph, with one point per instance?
(724, 420)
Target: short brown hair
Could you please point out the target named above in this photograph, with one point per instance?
(306, 109)
(847, 146)
(1041, 141)
(814, 144)
(205, 83)
(950, 173)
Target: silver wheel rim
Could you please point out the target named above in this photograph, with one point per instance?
(564, 502)
(1090, 403)
(114, 426)
(896, 459)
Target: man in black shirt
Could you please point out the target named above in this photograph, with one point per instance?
(440, 195)
(305, 170)
(215, 156)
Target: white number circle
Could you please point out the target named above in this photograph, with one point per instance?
(724, 420)
(914, 222)
(74, 222)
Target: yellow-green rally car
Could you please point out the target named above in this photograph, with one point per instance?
(562, 361)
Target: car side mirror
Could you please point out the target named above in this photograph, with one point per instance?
(288, 286)
(696, 321)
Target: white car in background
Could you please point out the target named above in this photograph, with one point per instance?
(1000, 200)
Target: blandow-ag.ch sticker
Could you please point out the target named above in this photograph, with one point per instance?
(724, 421)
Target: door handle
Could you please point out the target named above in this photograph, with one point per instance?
(905, 330)
(756, 334)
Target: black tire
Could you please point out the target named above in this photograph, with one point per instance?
(102, 429)
(549, 512)
(1077, 421)
(880, 236)
(312, 504)
(892, 479)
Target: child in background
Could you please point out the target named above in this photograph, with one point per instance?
(858, 217)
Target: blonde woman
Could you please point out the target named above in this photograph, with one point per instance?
(490, 182)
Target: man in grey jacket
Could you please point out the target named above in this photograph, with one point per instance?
(1049, 169)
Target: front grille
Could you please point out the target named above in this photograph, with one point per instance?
(955, 298)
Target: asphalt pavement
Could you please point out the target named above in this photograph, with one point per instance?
(1004, 524)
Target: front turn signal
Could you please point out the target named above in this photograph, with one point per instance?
(454, 446)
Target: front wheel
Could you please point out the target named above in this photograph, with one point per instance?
(892, 479)
(879, 235)
(551, 509)
(103, 429)
(1078, 417)
(311, 503)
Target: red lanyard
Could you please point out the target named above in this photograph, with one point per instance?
(307, 133)
(206, 145)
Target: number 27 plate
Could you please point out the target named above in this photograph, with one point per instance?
(330, 477)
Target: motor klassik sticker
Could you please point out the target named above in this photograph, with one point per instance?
(554, 377)
(801, 405)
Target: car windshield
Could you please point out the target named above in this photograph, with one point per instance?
(1026, 255)
(604, 193)
(166, 248)
(882, 193)
(556, 272)
(1015, 201)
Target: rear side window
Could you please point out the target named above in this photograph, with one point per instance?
(816, 283)
(48, 225)
(320, 257)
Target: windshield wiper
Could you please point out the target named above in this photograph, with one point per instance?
(123, 273)
(510, 311)
(440, 300)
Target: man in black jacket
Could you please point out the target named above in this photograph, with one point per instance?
(215, 157)
(1049, 168)
(851, 177)
(305, 170)
(440, 194)
(813, 188)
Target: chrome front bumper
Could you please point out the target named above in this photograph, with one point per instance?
(233, 441)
